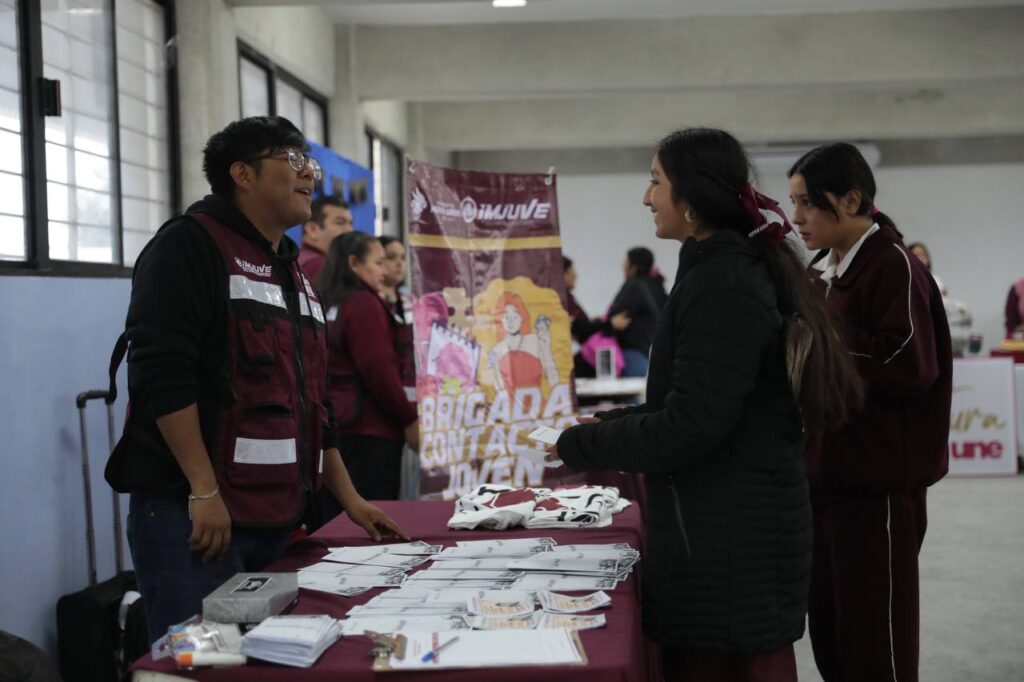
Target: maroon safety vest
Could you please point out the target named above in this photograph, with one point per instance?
(269, 449)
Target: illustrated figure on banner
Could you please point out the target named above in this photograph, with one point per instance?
(521, 356)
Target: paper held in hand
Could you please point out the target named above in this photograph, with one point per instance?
(547, 436)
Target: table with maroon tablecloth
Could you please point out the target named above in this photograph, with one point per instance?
(616, 653)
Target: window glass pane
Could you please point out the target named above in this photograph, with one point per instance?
(57, 201)
(57, 162)
(78, 51)
(93, 244)
(10, 110)
(8, 60)
(13, 194)
(12, 237)
(145, 153)
(92, 172)
(10, 153)
(60, 240)
(13, 241)
(289, 103)
(255, 93)
(312, 120)
(92, 208)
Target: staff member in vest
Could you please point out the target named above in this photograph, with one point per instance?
(742, 352)
(330, 218)
(364, 380)
(227, 435)
(869, 478)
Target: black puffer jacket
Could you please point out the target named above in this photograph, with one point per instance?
(720, 438)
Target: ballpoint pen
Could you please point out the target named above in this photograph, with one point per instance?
(432, 654)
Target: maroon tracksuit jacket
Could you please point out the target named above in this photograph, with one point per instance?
(868, 478)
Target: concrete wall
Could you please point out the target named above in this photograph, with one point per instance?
(966, 214)
(301, 40)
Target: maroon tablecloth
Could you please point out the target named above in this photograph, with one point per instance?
(616, 653)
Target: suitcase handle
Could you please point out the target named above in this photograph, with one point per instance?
(82, 398)
(90, 535)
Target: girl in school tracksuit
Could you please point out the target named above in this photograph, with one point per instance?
(868, 479)
(364, 383)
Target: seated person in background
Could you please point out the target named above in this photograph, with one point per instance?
(923, 255)
(364, 382)
(642, 297)
(582, 326)
(1015, 311)
(957, 312)
(330, 217)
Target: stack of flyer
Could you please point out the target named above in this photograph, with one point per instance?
(291, 640)
(409, 609)
(350, 571)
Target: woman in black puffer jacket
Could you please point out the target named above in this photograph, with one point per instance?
(743, 355)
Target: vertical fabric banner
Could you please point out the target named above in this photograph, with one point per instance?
(492, 343)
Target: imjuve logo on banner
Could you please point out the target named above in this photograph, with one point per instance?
(533, 210)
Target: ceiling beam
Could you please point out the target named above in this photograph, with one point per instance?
(758, 116)
(861, 50)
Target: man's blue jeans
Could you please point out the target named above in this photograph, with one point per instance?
(173, 579)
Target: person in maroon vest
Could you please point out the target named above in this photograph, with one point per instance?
(228, 435)
(330, 218)
(364, 380)
(869, 478)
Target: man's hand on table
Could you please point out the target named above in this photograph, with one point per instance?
(374, 521)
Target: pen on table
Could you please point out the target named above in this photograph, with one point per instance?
(432, 654)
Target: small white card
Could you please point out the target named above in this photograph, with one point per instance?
(545, 434)
(537, 457)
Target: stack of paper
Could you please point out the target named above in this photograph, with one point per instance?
(408, 610)
(487, 649)
(291, 640)
(350, 571)
(570, 568)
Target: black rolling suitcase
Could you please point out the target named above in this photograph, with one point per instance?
(97, 639)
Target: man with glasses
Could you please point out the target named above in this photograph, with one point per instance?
(228, 436)
(330, 218)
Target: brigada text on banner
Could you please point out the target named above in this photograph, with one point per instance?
(492, 343)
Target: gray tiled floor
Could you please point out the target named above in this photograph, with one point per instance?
(972, 584)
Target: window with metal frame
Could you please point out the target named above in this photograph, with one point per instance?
(96, 134)
(266, 89)
(387, 161)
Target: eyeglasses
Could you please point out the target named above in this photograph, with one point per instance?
(297, 160)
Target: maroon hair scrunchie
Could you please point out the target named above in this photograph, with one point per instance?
(769, 219)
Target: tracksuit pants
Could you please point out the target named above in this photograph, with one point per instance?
(863, 610)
